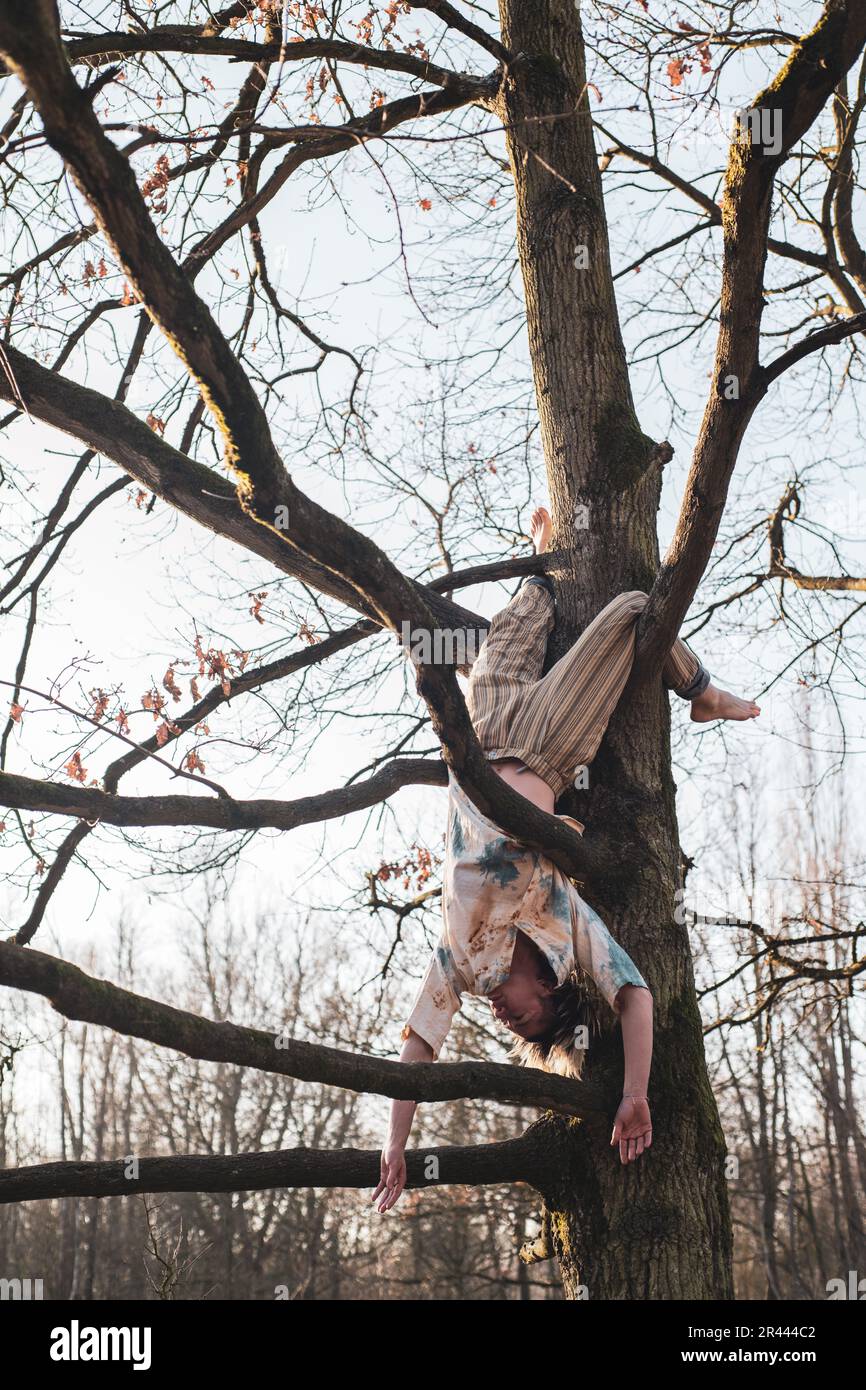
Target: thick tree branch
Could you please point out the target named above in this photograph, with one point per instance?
(97, 49)
(450, 15)
(525, 1159)
(786, 249)
(111, 429)
(793, 101)
(252, 678)
(217, 813)
(820, 338)
(31, 44)
(81, 997)
(843, 180)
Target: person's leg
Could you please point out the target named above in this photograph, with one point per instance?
(713, 703)
(558, 723)
(683, 673)
(689, 679)
(511, 657)
(562, 718)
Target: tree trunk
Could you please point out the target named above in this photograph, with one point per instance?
(660, 1229)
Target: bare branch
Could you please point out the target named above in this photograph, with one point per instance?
(266, 492)
(113, 430)
(96, 49)
(781, 568)
(524, 1159)
(818, 339)
(451, 16)
(79, 996)
(218, 813)
(796, 97)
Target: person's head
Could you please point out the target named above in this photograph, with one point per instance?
(560, 1045)
(522, 1003)
(543, 1016)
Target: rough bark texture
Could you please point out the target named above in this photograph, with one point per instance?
(660, 1229)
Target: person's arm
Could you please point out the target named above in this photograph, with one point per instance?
(393, 1172)
(632, 1126)
(426, 1029)
(626, 990)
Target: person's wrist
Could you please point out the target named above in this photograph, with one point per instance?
(634, 1095)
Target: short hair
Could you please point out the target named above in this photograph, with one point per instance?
(557, 1050)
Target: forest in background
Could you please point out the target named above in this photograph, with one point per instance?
(394, 300)
(789, 1079)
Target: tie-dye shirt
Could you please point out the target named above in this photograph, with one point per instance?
(492, 888)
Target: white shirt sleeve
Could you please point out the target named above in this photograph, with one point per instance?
(437, 1001)
(596, 952)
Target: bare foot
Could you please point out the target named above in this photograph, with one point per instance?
(721, 704)
(540, 529)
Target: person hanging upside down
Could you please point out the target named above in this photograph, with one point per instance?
(515, 929)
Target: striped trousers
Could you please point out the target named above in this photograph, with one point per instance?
(555, 723)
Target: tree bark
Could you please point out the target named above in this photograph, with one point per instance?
(660, 1230)
(528, 1158)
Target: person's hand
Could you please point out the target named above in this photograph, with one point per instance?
(632, 1128)
(393, 1177)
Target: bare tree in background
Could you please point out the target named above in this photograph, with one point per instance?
(279, 1242)
(785, 1032)
(90, 129)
